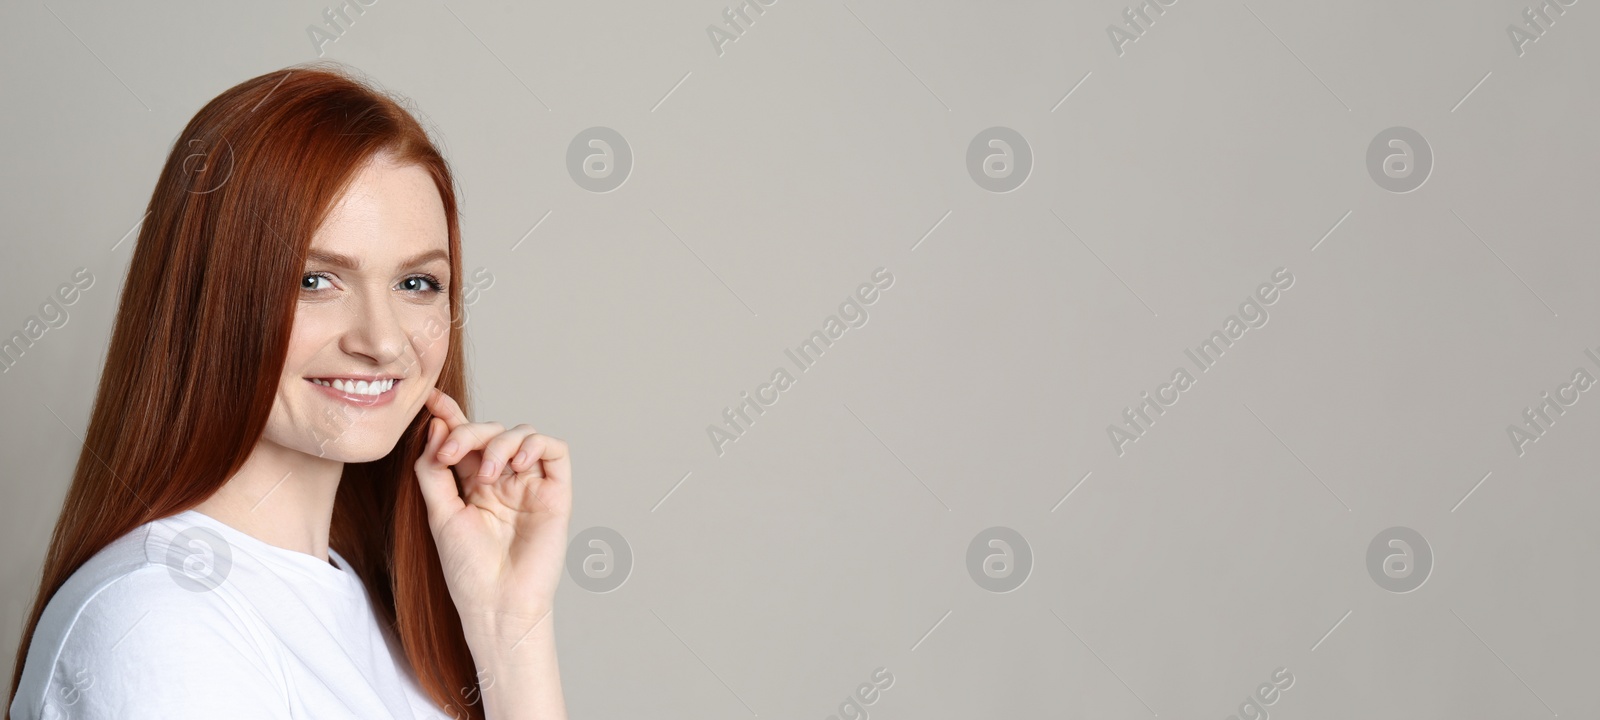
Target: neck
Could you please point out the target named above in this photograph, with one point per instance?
(280, 496)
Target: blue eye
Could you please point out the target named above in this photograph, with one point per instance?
(423, 283)
(410, 284)
(312, 278)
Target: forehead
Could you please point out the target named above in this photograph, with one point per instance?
(388, 208)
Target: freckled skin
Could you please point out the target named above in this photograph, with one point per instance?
(378, 320)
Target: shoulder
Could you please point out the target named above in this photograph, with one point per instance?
(129, 635)
(152, 578)
(154, 612)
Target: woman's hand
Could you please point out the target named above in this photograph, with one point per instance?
(502, 537)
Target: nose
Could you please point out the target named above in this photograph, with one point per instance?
(375, 331)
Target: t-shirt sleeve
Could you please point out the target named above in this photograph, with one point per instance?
(147, 647)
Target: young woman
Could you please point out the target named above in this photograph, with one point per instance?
(282, 508)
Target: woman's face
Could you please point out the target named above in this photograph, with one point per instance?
(371, 330)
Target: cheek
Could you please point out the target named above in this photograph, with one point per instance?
(429, 332)
(313, 331)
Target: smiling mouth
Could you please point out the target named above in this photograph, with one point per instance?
(372, 388)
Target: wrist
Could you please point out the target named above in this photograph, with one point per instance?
(494, 634)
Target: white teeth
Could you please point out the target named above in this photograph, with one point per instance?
(358, 387)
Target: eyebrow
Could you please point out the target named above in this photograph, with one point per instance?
(350, 263)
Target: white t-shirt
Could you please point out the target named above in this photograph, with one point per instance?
(187, 617)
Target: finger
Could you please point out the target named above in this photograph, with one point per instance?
(550, 458)
(497, 453)
(526, 462)
(467, 437)
(438, 484)
(446, 408)
(529, 468)
(527, 457)
(556, 459)
(553, 464)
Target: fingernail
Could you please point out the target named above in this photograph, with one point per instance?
(487, 470)
(449, 447)
(521, 458)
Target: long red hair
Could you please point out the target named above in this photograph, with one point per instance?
(202, 330)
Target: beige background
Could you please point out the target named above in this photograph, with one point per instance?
(831, 139)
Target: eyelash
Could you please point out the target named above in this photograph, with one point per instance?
(438, 287)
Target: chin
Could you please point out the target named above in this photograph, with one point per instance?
(363, 441)
(357, 447)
